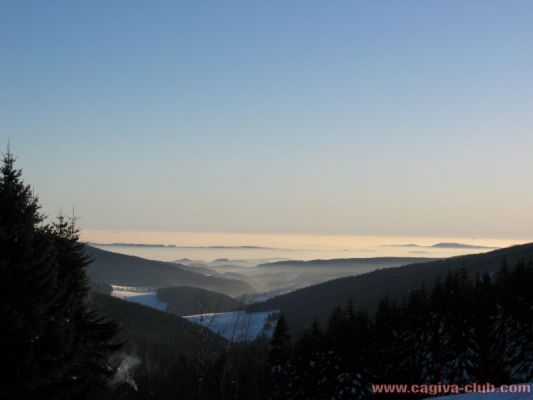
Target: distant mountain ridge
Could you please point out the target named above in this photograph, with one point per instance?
(349, 262)
(444, 245)
(119, 269)
(181, 247)
(452, 245)
(316, 302)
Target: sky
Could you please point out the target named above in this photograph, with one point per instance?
(312, 117)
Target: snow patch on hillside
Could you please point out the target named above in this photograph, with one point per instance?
(141, 295)
(238, 326)
(489, 396)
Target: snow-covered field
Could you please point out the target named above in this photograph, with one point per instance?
(238, 326)
(141, 295)
(489, 396)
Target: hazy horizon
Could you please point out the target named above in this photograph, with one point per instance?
(210, 246)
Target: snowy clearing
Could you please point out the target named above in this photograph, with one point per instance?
(140, 295)
(489, 396)
(238, 326)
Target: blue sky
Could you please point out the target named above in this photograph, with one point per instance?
(345, 117)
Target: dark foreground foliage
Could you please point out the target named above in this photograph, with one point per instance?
(460, 331)
(167, 357)
(53, 345)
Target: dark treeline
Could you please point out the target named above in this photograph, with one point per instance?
(460, 331)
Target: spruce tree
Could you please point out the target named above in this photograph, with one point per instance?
(485, 309)
(307, 364)
(87, 338)
(513, 331)
(415, 337)
(462, 366)
(27, 279)
(54, 346)
(384, 350)
(279, 360)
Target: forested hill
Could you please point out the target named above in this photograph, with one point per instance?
(157, 349)
(348, 262)
(144, 327)
(302, 306)
(185, 300)
(119, 269)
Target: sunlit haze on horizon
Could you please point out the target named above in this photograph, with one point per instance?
(209, 246)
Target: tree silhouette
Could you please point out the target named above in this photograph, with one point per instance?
(54, 346)
(280, 359)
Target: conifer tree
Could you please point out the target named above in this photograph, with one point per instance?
(485, 309)
(385, 331)
(87, 338)
(280, 359)
(308, 365)
(463, 362)
(513, 331)
(53, 346)
(415, 337)
(27, 279)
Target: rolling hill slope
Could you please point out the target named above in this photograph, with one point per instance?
(143, 327)
(351, 263)
(302, 306)
(119, 269)
(153, 345)
(186, 300)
